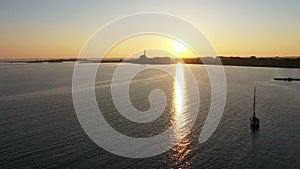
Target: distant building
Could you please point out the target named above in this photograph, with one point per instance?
(144, 55)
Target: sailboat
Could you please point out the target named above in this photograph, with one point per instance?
(254, 120)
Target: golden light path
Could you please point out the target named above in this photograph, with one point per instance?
(179, 84)
(180, 118)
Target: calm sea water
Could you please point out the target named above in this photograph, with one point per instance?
(40, 129)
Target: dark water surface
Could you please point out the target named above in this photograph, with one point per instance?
(39, 127)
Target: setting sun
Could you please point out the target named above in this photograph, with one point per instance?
(179, 47)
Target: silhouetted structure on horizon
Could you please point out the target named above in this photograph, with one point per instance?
(143, 59)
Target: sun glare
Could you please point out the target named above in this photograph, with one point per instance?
(179, 47)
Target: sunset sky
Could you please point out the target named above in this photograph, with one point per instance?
(59, 29)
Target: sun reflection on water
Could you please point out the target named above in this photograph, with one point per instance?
(180, 119)
(179, 85)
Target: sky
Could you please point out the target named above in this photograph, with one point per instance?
(60, 28)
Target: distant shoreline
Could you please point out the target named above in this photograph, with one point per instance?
(260, 62)
(226, 61)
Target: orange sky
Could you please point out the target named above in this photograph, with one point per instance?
(46, 29)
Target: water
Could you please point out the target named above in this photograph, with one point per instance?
(40, 129)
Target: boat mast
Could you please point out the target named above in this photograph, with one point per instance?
(254, 102)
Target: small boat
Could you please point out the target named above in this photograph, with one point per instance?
(254, 120)
(286, 79)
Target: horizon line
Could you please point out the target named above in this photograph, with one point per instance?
(226, 56)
